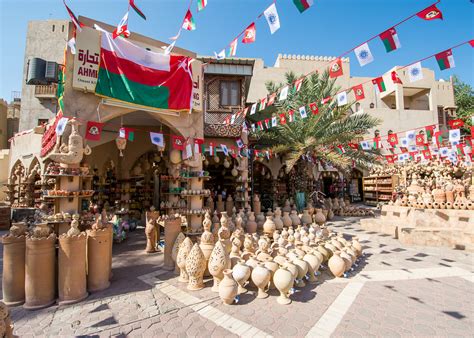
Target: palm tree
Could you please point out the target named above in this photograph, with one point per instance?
(316, 136)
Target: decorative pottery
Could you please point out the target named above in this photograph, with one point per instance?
(183, 252)
(174, 250)
(241, 273)
(195, 267)
(269, 226)
(287, 222)
(251, 224)
(98, 258)
(319, 218)
(13, 278)
(172, 232)
(336, 264)
(357, 245)
(261, 278)
(347, 259)
(302, 267)
(313, 266)
(277, 219)
(228, 288)
(306, 218)
(218, 262)
(295, 220)
(283, 280)
(272, 266)
(207, 238)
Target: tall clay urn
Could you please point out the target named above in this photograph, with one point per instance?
(336, 264)
(283, 280)
(172, 229)
(72, 277)
(174, 251)
(269, 226)
(183, 252)
(228, 288)
(98, 264)
(261, 278)
(13, 278)
(40, 264)
(218, 262)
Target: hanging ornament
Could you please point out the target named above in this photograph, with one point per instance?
(226, 163)
(234, 172)
(216, 159)
(121, 144)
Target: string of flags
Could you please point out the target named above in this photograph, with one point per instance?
(414, 70)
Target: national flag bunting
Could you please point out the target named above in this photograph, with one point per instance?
(353, 146)
(342, 99)
(303, 114)
(127, 133)
(415, 72)
(199, 146)
(390, 40)
(157, 139)
(232, 48)
(188, 22)
(240, 143)
(314, 108)
(298, 84)
(291, 115)
(273, 20)
(263, 103)
(438, 136)
(61, 126)
(430, 13)
(392, 139)
(74, 19)
(178, 142)
(282, 118)
(271, 99)
(122, 28)
(303, 5)
(426, 154)
(326, 100)
(201, 4)
(420, 140)
(283, 93)
(250, 34)
(340, 149)
(137, 10)
(445, 59)
(429, 130)
(211, 149)
(380, 84)
(455, 124)
(363, 54)
(359, 92)
(395, 78)
(376, 142)
(335, 68)
(93, 130)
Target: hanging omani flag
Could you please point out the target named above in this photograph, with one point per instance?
(250, 34)
(303, 5)
(130, 73)
(389, 158)
(271, 99)
(232, 48)
(429, 130)
(93, 130)
(392, 139)
(274, 121)
(225, 150)
(445, 59)
(267, 123)
(178, 142)
(263, 103)
(359, 92)
(420, 140)
(438, 138)
(253, 109)
(137, 10)
(472, 131)
(365, 145)
(291, 114)
(260, 125)
(376, 142)
(380, 84)
(426, 154)
(198, 145)
(188, 22)
(471, 42)
(460, 149)
(363, 54)
(283, 93)
(282, 118)
(390, 40)
(395, 78)
(342, 99)
(415, 73)
(341, 149)
(74, 20)
(410, 135)
(220, 55)
(122, 28)
(303, 114)
(430, 13)
(211, 149)
(314, 108)
(272, 17)
(353, 146)
(335, 68)
(201, 4)
(298, 83)
(326, 100)
(127, 133)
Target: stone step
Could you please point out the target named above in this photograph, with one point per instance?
(456, 238)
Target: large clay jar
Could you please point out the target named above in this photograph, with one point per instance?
(241, 273)
(183, 252)
(269, 227)
(256, 205)
(302, 267)
(313, 266)
(172, 230)
(228, 288)
(283, 280)
(277, 219)
(306, 218)
(174, 250)
(195, 267)
(357, 246)
(98, 265)
(347, 259)
(336, 264)
(261, 278)
(40, 266)
(287, 207)
(72, 277)
(260, 220)
(287, 222)
(319, 218)
(251, 224)
(207, 239)
(13, 281)
(272, 266)
(218, 262)
(295, 220)
(229, 205)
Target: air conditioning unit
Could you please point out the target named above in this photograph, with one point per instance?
(36, 71)
(51, 71)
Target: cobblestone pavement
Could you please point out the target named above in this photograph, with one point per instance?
(396, 291)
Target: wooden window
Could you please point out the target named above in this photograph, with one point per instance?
(229, 93)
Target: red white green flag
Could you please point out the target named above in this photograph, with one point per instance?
(420, 140)
(136, 9)
(390, 40)
(291, 114)
(263, 103)
(282, 118)
(232, 48)
(178, 142)
(201, 4)
(271, 99)
(395, 78)
(341, 149)
(359, 92)
(456, 124)
(314, 108)
(188, 22)
(445, 59)
(380, 84)
(122, 28)
(127, 133)
(303, 5)
(130, 73)
(74, 19)
(298, 84)
(430, 13)
(335, 68)
(377, 142)
(250, 34)
(392, 139)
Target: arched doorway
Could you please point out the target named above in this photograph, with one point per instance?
(263, 184)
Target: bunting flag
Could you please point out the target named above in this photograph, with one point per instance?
(211, 149)
(445, 59)
(240, 143)
(359, 92)
(326, 100)
(127, 133)
(460, 149)
(253, 109)
(201, 4)
(188, 22)
(72, 45)
(220, 55)
(283, 93)
(303, 5)
(250, 34)
(353, 146)
(415, 72)
(390, 40)
(232, 48)
(198, 145)
(376, 142)
(438, 137)
(263, 103)
(274, 121)
(122, 28)
(61, 126)
(314, 108)
(303, 114)
(282, 119)
(341, 99)
(137, 10)
(404, 142)
(390, 158)
(341, 149)
(410, 135)
(74, 19)
(430, 13)
(93, 130)
(420, 140)
(456, 124)
(273, 20)
(335, 68)
(260, 125)
(392, 139)
(395, 78)
(363, 54)
(298, 84)
(188, 150)
(291, 115)
(429, 130)
(472, 131)
(365, 145)
(271, 99)
(157, 139)
(380, 84)
(471, 42)
(178, 142)
(454, 136)
(426, 154)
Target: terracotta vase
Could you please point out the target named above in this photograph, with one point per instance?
(13, 278)
(251, 224)
(319, 218)
(207, 240)
(195, 267)
(313, 266)
(172, 230)
(336, 264)
(277, 219)
(306, 218)
(326, 254)
(174, 250)
(302, 267)
(283, 280)
(269, 226)
(272, 266)
(295, 220)
(261, 278)
(183, 252)
(287, 222)
(357, 245)
(347, 259)
(228, 288)
(241, 273)
(218, 262)
(98, 264)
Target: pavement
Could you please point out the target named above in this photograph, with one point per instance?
(395, 291)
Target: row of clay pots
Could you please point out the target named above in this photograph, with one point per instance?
(463, 205)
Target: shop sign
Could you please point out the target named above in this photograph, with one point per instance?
(86, 60)
(197, 86)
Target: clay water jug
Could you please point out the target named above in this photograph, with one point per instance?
(306, 218)
(241, 273)
(277, 219)
(269, 226)
(283, 280)
(295, 220)
(287, 222)
(251, 224)
(228, 288)
(336, 264)
(313, 266)
(261, 278)
(302, 267)
(319, 218)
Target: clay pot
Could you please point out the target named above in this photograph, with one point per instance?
(306, 218)
(336, 264)
(347, 259)
(195, 267)
(287, 222)
(295, 220)
(40, 264)
(302, 267)
(326, 254)
(470, 205)
(313, 266)
(283, 280)
(218, 262)
(13, 281)
(72, 287)
(269, 226)
(228, 288)
(98, 264)
(183, 252)
(261, 278)
(174, 251)
(319, 218)
(251, 224)
(172, 230)
(241, 273)
(272, 266)
(357, 246)
(277, 219)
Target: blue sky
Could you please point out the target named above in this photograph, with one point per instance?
(330, 28)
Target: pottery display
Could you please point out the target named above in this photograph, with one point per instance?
(172, 231)
(98, 264)
(218, 262)
(241, 273)
(306, 218)
(174, 251)
(277, 219)
(319, 218)
(283, 280)
(13, 278)
(313, 266)
(261, 278)
(195, 267)
(251, 224)
(269, 226)
(183, 252)
(228, 288)
(336, 264)
(287, 222)
(295, 220)
(207, 238)
(302, 267)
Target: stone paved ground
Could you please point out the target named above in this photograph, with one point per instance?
(396, 291)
